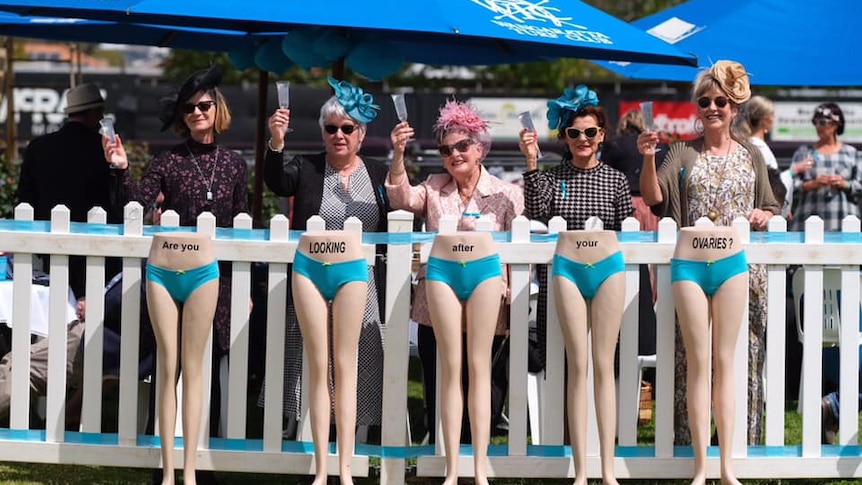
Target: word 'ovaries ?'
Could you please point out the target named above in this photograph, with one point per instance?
(712, 243)
(181, 247)
(327, 247)
(586, 244)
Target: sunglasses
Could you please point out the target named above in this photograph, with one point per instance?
(204, 106)
(346, 129)
(823, 122)
(705, 101)
(462, 146)
(575, 133)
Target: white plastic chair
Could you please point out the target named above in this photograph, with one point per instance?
(831, 305)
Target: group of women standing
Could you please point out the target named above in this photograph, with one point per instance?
(719, 175)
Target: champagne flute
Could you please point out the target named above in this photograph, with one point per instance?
(107, 129)
(400, 107)
(649, 120)
(107, 125)
(527, 122)
(283, 90)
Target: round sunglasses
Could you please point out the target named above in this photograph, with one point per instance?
(705, 101)
(575, 133)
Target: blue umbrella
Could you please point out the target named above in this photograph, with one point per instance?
(780, 42)
(81, 30)
(455, 32)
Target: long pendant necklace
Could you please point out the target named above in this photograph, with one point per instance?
(201, 173)
(713, 213)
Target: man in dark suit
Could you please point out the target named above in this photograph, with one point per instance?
(68, 167)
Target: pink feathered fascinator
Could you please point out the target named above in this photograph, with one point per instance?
(459, 115)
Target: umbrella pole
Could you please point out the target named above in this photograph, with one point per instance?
(338, 69)
(259, 147)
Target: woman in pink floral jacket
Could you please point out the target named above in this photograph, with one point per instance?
(466, 190)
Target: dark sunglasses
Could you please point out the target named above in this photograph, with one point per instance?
(822, 122)
(575, 133)
(705, 101)
(204, 106)
(346, 129)
(462, 146)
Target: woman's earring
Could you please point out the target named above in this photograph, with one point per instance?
(697, 126)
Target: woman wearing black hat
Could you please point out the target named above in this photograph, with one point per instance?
(195, 176)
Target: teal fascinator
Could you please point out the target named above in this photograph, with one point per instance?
(358, 104)
(572, 101)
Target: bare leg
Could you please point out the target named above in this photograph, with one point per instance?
(728, 310)
(445, 310)
(573, 322)
(311, 312)
(165, 318)
(693, 310)
(483, 308)
(346, 327)
(198, 313)
(606, 313)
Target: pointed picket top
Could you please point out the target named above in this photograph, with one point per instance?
(556, 225)
(667, 230)
(776, 224)
(279, 228)
(743, 227)
(133, 219)
(520, 230)
(243, 221)
(814, 230)
(170, 218)
(353, 224)
(24, 212)
(630, 224)
(850, 224)
(315, 224)
(207, 224)
(61, 218)
(593, 223)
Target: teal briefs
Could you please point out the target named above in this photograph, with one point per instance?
(181, 283)
(588, 277)
(463, 276)
(709, 275)
(330, 277)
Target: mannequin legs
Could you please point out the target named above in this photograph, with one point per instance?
(599, 319)
(312, 314)
(694, 311)
(198, 313)
(482, 309)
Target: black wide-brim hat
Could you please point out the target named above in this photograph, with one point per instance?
(204, 80)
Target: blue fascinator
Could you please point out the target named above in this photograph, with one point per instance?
(358, 104)
(572, 100)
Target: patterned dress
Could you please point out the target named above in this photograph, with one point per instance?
(185, 174)
(336, 206)
(726, 184)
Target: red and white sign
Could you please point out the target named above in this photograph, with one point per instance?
(673, 119)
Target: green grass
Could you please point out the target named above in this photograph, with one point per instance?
(43, 474)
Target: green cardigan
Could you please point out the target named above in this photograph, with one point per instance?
(673, 178)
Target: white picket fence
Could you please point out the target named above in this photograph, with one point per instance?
(521, 457)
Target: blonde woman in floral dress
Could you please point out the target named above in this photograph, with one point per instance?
(722, 177)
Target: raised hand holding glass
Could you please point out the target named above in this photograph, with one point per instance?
(649, 120)
(527, 123)
(283, 90)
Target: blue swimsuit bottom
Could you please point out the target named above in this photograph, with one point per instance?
(181, 283)
(709, 275)
(463, 276)
(330, 277)
(588, 277)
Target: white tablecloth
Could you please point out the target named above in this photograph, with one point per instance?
(38, 307)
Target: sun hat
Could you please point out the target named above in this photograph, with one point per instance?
(83, 97)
